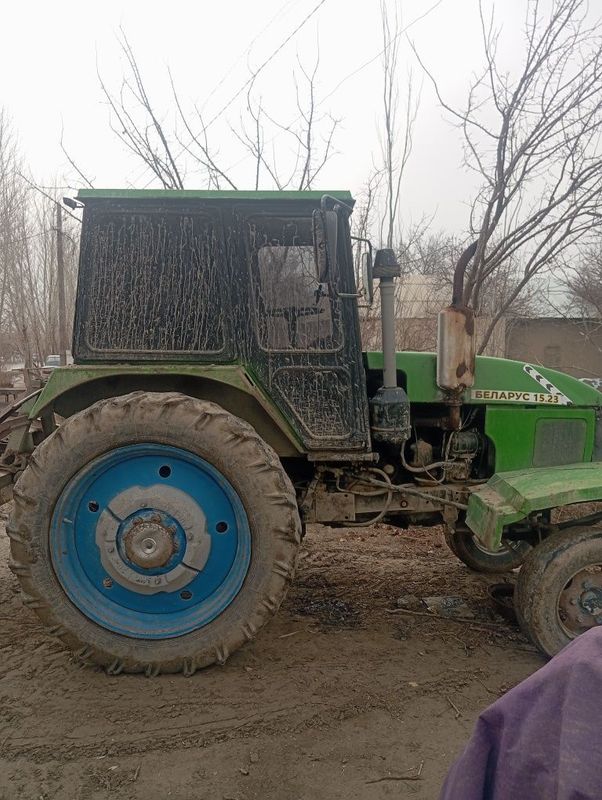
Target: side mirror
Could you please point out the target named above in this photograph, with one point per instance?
(368, 276)
(325, 235)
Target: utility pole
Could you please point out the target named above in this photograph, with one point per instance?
(60, 276)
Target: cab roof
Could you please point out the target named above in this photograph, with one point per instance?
(201, 194)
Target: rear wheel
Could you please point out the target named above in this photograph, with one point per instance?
(508, 556)
(559, 589)
(154, 532)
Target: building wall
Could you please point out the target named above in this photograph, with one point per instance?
(570, 345)
(420, 333)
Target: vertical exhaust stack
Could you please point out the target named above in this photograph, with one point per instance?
(456, 345)
(390, 407)
(455, 349)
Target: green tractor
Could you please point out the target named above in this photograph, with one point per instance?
(220, 401)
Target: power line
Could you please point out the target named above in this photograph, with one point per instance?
(25, 238)
(247, 51)
(241, 55)
(346, 78)
(379, 54)
(250, 80)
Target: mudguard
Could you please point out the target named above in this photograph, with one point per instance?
(511, 496)
(70, 389)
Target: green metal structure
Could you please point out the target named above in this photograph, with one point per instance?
(220, 400)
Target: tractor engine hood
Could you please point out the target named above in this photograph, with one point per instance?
(497, 381)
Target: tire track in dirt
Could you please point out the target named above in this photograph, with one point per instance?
(335, 692)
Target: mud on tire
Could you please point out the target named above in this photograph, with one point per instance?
(547, 571)
(203, 428)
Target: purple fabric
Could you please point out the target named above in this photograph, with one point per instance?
(543, 739)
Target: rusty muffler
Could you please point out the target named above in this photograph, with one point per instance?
(455, 356)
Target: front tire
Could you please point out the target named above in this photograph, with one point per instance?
(558, 594)
(465, 546)
(154, 533)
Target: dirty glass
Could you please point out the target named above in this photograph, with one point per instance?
(293, 310)
(152, 284)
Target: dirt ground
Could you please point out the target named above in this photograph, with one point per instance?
(342, 696)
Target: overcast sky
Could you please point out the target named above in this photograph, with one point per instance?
(50, 52)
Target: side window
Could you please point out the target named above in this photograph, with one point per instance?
(293, 310)
(151, 283)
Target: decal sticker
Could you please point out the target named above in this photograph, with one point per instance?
(551, 396)
(547, 384)
(510, 396)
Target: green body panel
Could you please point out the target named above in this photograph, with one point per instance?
(501, 374)
(518, 488)
(64, 379)
(513, 432)
(511, 496)
(510, 425)
(193, 194)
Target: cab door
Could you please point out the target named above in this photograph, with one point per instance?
(306, 342)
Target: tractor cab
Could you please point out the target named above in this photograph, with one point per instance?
(260, 279)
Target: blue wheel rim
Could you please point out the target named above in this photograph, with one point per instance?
(97, 588)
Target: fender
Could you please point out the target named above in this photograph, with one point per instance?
(73, 388)
(508, 497)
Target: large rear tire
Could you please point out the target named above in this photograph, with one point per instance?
(154, 532)
(558, 594)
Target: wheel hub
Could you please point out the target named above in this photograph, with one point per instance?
(580, 604)
(150, 541)
(149, 544)
(153, 539)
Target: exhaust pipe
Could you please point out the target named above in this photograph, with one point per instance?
(456, 344)
(390, 406)
(455, 349)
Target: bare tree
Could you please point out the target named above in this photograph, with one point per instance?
(396, 137)
(311, 135)
(533, 140)
(172, 146)
(583, 282)
(28, 270)
(137, 125)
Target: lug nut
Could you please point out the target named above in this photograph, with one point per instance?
(107, 583)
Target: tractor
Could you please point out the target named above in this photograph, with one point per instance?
(220, 401)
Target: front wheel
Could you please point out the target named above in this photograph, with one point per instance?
(154, 533)
(559, 589)
(508, 556)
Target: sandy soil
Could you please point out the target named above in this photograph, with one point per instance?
(339, 697)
